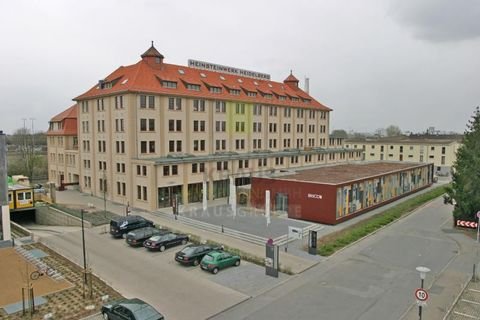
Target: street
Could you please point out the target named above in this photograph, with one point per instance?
(376, 278)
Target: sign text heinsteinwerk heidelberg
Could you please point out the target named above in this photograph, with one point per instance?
(219, 68)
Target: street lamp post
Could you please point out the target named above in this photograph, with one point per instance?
(423, 273)
(104, 194)
(84, 254)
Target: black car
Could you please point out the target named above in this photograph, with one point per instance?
(193, 254)
(131, 309)
(136, 237)
(165, 241)
(121, 225)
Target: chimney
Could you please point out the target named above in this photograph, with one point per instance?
(307, 85)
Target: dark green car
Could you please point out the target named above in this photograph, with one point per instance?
(216, 260)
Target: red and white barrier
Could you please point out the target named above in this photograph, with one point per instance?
(466, 224)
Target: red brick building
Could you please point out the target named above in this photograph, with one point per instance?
(337, 193)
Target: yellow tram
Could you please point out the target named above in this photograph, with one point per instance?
(20, 197)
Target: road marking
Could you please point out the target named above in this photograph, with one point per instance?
(474, 290)
(465, 315)
(470, 301)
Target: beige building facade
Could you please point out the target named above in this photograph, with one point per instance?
(437, 149)
(152, 130)
(62, 146)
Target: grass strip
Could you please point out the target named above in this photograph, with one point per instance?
(333, 242)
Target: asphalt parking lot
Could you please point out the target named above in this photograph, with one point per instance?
(179, 292)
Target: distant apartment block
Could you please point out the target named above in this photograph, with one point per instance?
(152, 130)
(437, 149)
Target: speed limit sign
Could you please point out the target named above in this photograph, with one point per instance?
(421, 295)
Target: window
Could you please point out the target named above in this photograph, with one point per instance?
(199, 105)
(257, 110)
(144, 193)
(169, 84)
(220, 106)
(287, 112)
(151, 124)
(199, 125)
(118, 102)
(194, 87)
(143, 101)
(300, 113)
(273, 111)
(443, 150)
(234, 92)
(220, 126)
(166, 170)
(143, 146)
(151, 146)
(174, 125)
(84, 106)
(174, 170)
(194, 168)
(174, 103)
(215, 90)
(143, 124)
(240, 108)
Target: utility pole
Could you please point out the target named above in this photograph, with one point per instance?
(32, 154)
(5, 208)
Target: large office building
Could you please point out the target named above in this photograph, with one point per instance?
(438, 149)
(152, 130)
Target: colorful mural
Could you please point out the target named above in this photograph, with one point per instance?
(363, 194)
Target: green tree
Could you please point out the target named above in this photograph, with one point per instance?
(393, 131)
(464, 192)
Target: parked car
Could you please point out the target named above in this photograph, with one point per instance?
(193, 254)
(136, 237)
(131, 309)
(216, 260)
(122, 225)
(164, 241)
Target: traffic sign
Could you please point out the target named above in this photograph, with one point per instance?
(421, 294)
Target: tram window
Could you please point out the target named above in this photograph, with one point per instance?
(20, 195)
(28, 196)
(9, 197)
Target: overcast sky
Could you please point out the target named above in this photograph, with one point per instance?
(409, 63)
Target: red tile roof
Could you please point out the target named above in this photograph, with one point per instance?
(146, 77)
(68, 113)
(68, 119)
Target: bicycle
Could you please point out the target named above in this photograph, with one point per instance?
(44, 271)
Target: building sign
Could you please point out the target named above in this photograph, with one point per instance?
(230, 70)
(314, 196)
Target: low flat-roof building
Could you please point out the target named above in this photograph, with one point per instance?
(336, 193)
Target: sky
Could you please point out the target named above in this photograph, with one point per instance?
(413, 64)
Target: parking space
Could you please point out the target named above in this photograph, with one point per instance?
(247, 278)
(468, 304)
(158, 279)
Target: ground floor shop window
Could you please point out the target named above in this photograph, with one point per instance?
(166, 195)
(221, 188)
